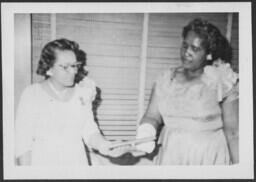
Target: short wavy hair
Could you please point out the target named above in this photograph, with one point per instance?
(213, 41)
(48, 57)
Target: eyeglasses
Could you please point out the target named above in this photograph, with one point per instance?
(67, 67)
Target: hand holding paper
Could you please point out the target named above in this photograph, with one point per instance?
(146, 131)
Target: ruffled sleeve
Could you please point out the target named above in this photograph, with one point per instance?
(87, 93)
(86, 90)
(232, 94)
(221, 77)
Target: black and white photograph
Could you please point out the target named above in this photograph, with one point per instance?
(127, 90)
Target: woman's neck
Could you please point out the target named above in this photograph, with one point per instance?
(193, 74)
(56, 86)
(58, 90)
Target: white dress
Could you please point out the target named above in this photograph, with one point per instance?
(193, 127)
(54, 130)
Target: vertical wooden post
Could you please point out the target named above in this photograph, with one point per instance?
(143, 64)
(229, 26)
(53, 26)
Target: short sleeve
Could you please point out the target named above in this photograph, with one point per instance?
(86, 89)
(87, 92)
(232, 94)
(229, 86)
(90, 126)
(220, 76)
(24, 123)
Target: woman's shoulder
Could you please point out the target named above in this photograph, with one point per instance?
(32, 89)
(167, 74)
(221, 73)
(221, 77)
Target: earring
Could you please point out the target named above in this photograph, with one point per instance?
(209, 57)
(48, 73)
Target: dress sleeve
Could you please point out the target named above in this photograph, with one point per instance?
(87, 94)
(221, 77)
(229, 85)
(24, 123)
(232, 94)
(90, 126)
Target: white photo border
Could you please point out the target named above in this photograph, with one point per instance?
(243, 170)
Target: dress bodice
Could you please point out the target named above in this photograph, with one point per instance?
(191, 105)
(55, 130)
(192, 116)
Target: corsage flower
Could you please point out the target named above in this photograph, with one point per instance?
(86, 90)
(220, 76)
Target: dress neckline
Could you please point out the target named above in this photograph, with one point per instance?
(48, 94)
(173, 78)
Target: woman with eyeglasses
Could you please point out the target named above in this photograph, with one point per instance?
(55, 116)
(197, 103)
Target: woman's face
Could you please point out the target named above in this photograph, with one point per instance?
(193, 55)
(64, 68)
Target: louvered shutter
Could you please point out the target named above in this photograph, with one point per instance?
(41, 34)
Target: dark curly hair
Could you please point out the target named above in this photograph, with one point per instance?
(48, 56)
(213, 41)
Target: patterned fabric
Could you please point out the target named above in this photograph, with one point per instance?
(54, 130)
(191, 112)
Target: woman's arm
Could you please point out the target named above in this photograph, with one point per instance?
(152, 114)
(149, 124)
(231, 127)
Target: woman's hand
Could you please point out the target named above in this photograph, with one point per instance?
(107, 149)
(149, 123)
(146, 130)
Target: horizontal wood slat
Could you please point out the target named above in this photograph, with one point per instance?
(119, 133)
(113, 61)
(120, 138)
(118, 127)
(97, 36)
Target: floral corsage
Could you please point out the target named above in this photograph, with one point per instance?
(220, 76)
(86, 90)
